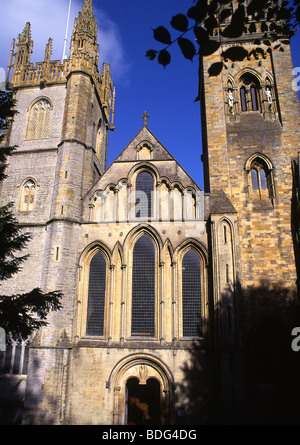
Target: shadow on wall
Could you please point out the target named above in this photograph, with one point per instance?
(21, 395)
(251, 377)
(245, 373)
(295, 216)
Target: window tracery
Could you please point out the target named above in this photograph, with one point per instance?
(38, 126)
(127, 301)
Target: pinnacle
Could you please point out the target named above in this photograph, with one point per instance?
(87, 7)
(86, 20)
(26, 34)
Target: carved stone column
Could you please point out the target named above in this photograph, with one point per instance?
(112, 268)
(162, 264)
(123, 268)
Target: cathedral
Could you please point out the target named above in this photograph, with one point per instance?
(178, 303)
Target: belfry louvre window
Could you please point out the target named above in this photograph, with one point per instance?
(143, 195)
(38, 126)
(249, 92)
(96, 296)
(143, 288)
(191, 294)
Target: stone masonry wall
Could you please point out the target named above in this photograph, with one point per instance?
(265, 240)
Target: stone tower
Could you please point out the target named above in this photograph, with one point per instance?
(65, 112)
(250, 116)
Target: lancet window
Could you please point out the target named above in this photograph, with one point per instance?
(143, 288)
(143, 195)
(191, 294)
(96, 295)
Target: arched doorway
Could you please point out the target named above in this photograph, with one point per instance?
(142, 402)
(146, 378)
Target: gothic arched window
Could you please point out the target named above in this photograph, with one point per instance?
(28, 195)
(143, 195)
(96, 296)
(38, 126)
(143, 288)
(261, 178)
(249, 92)
(191, 294)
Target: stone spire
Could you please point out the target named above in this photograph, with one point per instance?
(24, 46)
(86, 21)
(48, 51)
(84, 37)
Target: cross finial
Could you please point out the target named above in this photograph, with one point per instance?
(145, 116)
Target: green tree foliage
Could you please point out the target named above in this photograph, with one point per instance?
(20, 314)
(7, 112)
(208, 23)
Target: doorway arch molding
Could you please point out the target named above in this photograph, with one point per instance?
(141, 366)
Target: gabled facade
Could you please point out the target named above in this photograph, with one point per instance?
(171, 296)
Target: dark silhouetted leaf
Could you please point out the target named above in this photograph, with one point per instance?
(180, 22)
(201, 35)
(298, 13)
(264, 27)
(225, 14)
(210, 24)
(164, 57)
(210, 47)
(151, 54)
(252, 27)
(199, 11)
(236, 27)
(235, 53)
(215, 69)
(260, 50)
(256, 6)
(187, 48)
(212, 7)
(161, 34)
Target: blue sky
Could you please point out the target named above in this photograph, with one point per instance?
(125, 34)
